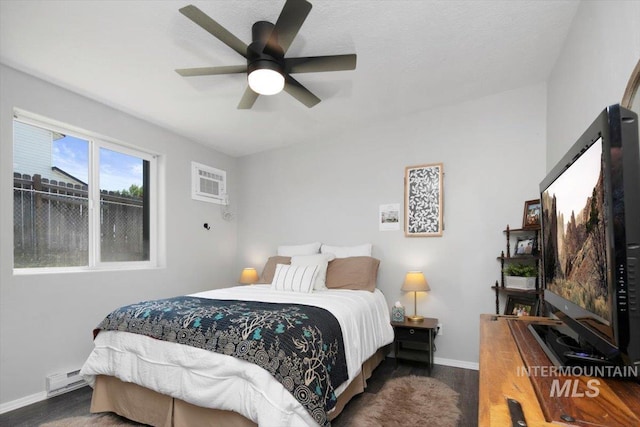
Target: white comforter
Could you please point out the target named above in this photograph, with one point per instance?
(214, 380)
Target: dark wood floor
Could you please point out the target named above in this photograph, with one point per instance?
(464, 381)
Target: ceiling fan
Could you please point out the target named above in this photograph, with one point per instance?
(268, 71)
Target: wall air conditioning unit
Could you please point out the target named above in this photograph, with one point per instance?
(208, 184)
(64, 382)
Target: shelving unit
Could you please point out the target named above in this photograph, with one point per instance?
(537, 294)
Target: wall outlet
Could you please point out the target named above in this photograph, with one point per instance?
(439, 328)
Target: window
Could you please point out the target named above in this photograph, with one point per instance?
(80, 201)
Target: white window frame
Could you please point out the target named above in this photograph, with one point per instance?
(95, 143)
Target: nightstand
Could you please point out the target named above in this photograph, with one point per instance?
(414, 340)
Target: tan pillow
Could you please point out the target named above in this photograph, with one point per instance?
(269, 269)
(357, 272)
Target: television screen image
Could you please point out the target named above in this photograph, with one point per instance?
(575, 253)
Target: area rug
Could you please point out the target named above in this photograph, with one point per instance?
(410, 401)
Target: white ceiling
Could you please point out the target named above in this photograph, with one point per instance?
(412, 56)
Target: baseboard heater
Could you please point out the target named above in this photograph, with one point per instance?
(64, 382)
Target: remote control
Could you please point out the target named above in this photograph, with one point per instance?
(517, 416)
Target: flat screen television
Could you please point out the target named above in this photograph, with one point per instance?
(590, 241)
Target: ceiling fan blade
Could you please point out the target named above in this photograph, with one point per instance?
(299, 92)
(215, 29)
(293, 15)
(212, 71)
(248, 99)
(313, 64)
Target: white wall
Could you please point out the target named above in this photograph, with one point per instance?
(592, 71)
(330, 191)
(46, 321)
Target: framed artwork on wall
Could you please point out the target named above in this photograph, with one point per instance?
(423, 198)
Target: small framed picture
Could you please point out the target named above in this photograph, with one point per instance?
(531, 218)
(521, 305)
(526, 246)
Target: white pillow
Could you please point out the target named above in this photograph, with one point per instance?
(322, 261)
(347, 251)
(294, 278)
(308, 249)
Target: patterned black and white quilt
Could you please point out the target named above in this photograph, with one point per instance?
(300, 345)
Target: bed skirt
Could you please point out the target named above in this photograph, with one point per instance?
(149, 407)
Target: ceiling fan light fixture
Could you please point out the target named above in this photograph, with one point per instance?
(266, 81)
(268, 71)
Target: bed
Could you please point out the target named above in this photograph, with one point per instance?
(165, 383)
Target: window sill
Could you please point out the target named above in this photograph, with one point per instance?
(67, 270)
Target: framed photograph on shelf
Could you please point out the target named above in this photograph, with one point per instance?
(521, 305)
(526, 246)
(531, 217)
(423, 200)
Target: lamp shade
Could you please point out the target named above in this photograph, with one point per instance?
(248, 276)
(414, 281)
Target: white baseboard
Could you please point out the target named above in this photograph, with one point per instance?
(453, 363)
(23, 401)
(456, 363)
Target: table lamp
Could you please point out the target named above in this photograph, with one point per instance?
(249, 276)
(415, 282)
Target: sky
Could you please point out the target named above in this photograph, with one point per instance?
(117, 171)
(575, 186)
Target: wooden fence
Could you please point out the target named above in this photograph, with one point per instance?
(51, 224)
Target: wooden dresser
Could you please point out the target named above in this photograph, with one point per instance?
(508, 351)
